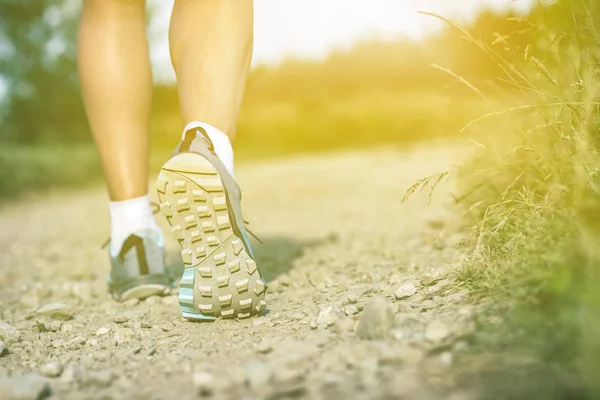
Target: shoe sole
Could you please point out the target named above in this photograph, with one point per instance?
(220, 279)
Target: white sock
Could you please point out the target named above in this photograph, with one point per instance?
(220, 141)
(127, 217)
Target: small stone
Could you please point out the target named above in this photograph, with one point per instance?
(120, 319)
(3, 349)
(102, 331)
(24, 387)
(76, 342)
(131, 303)
(446, 358)
(328, 315)
(51, 369)
(66, 328)
(298, 316)
(352, 297)
(436, 331)
(405, 291)
(350, 309)
(7, 332)
(264, 346)
(204, 382)
(376, 320)
(58, 343)
(49, 326)
(58, 311)
(313, 323)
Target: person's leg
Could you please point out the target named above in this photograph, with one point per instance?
(211, 49)
(116, 80)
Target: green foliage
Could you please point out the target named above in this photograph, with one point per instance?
(530, 194)
(37, 63)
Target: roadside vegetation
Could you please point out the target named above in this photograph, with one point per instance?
(531, 200)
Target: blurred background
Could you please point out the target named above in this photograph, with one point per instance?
(326, 75)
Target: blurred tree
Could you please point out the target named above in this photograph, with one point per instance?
(38, 69)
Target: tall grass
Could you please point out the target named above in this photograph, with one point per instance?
(532, 202)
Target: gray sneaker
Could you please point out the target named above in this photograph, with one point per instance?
(139, 270)
(201, 201)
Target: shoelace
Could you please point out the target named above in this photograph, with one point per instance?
(156, 209)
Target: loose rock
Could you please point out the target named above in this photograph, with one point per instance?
(51, 369)
(264, 346)
(350, 309)
(405, 291)
(7, 332)
(3, 350)
(328, 315)
(120, 319)
(102, 331)
(59, 311)
(204, 382)
(436, 331)
(25, 387)
(376, 320)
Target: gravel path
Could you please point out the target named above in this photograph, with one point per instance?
(357, 306)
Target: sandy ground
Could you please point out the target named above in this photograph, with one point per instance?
(357, 306)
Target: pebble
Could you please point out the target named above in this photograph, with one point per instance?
(76, 341)
(7, 332)
(66, 328)
(30, 386)
(3, 349)
(328, 315)
(131, 303)
(313, 323)
(405, 291)
(350, 309)
(204, 382)
(264, 346)
(49, 326)
(436, 331)
(102, 331)
(446, 358)
(120, 319)
(59, 311)
(51, 369)
(352, 297)
(376, 320)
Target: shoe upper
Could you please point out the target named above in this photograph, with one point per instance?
(142, 254)
(197, 141)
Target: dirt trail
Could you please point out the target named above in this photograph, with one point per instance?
(338, 246)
